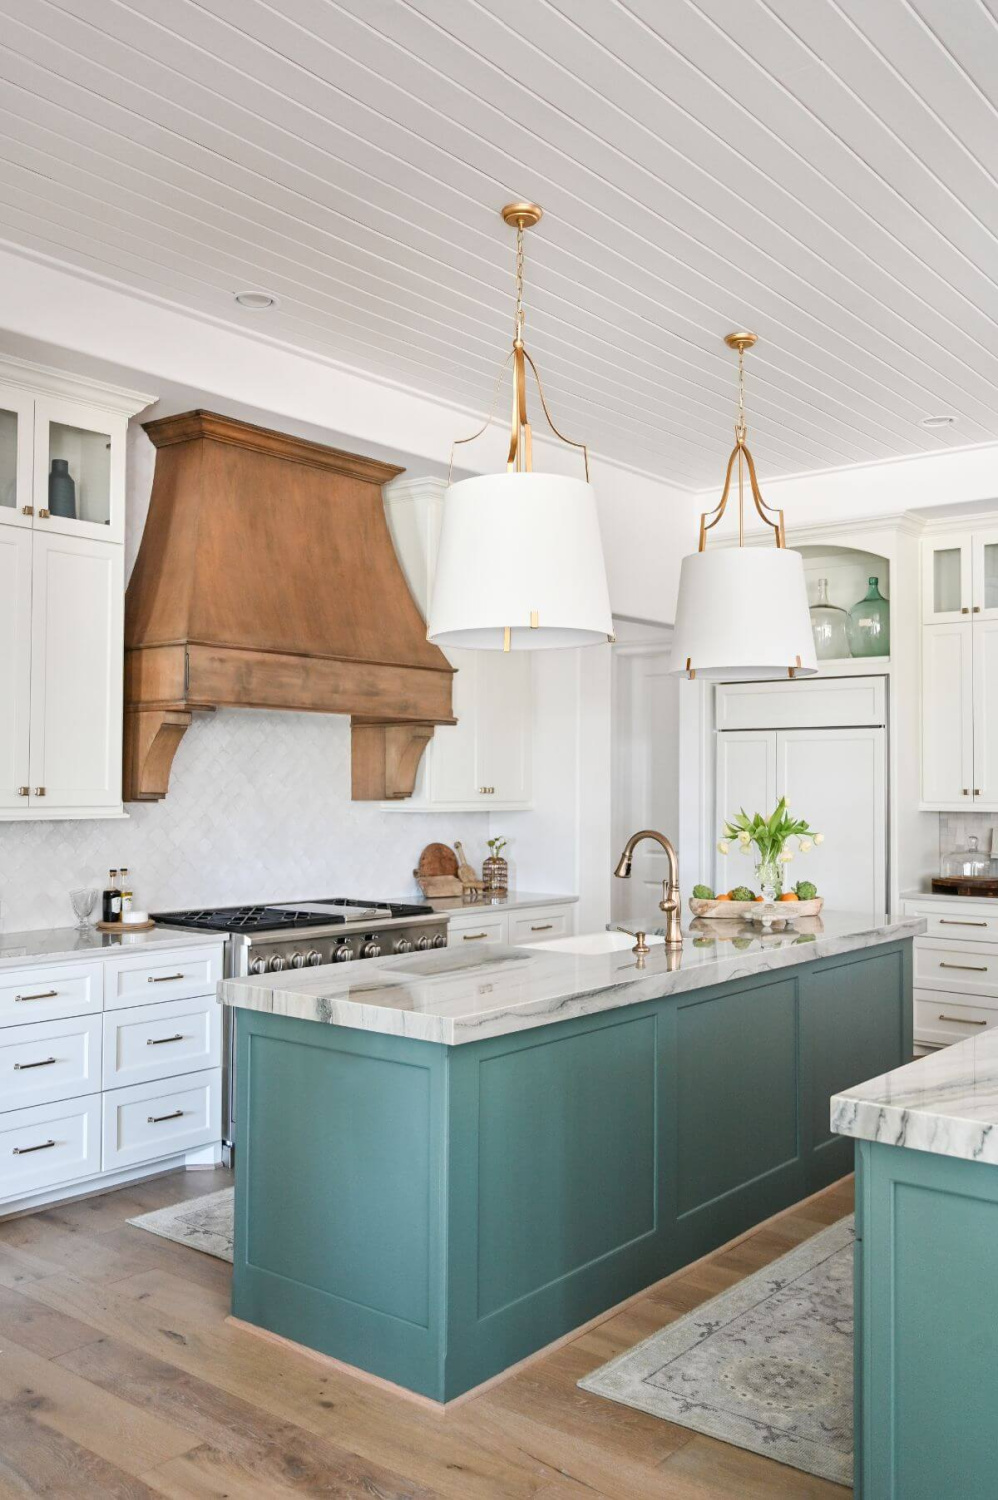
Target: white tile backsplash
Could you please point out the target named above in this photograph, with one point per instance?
(259, 808)
(956, 828)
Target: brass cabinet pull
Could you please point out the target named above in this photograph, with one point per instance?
(44, 514)
(158, 1119)
(955, 922)
(27, 1150)
(46, 1062)
(977, 791)
(27, 510)
(474, 937)
(971, 968)
(39, 791)
(964, 610)
(42, 995)
(23, 791)
(486, 791)
(544, 927)
(159, 1041)
(976, 610)
(962, 1020)
(966, 791)
(162, 978)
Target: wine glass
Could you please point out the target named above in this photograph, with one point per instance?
(83, 905)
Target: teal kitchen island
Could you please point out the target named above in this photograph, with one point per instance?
(447, 1161)
(926, 1276)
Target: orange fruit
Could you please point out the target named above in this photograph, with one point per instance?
(760, 898)
(725, 897)
(790, 896)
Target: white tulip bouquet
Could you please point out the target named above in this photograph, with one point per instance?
(769, 836)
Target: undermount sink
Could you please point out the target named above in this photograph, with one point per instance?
(593, 942)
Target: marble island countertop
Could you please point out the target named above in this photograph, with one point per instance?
(946, 1103)
(51, 943)
(452, 996)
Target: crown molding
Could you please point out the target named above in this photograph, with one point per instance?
(27, 375)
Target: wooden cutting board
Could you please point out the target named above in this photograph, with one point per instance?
(436, 872)
(465, 871)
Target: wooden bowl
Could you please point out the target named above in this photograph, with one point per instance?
(749, 910)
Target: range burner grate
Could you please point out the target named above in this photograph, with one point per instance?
(247, 918)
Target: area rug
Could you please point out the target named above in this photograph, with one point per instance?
(767, 1365)
(202, 1223)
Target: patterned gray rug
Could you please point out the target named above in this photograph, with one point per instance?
(767, 1365)
(202, 1223)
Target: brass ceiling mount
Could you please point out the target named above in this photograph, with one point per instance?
(522, 215)
(741, 340)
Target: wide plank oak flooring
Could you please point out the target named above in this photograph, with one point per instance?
(120, 1377)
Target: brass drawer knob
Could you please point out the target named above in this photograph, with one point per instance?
(44, 514)
(39, 791)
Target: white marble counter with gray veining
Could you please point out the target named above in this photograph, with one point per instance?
(455, 906)
(948, 899)
(946, 1103)
(451, 996)
(50, 944)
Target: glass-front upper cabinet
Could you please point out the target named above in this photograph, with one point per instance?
(79, 470)
(984, 574)
(947, 590)
(16, 411)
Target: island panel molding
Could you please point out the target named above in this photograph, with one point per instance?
(237, 512)
(500, 1193)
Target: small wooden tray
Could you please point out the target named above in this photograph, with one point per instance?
(125, 926)
(730, 910)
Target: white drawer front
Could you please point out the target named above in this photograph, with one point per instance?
(151, 1120)
(49, 1061)
(956, 924)
(147, 1042)
(957, 968)
(939, 1022)
(477, 934)
(48, 1145)
(537, 926)
(37, 994)
(174, 974)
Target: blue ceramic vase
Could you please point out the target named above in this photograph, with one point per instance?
(62, 490)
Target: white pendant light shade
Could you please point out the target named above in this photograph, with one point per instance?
(520, 565)
(742, 615)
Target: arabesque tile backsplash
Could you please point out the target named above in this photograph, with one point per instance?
(259, 808)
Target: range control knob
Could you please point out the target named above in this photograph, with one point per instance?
(313, 958)
(440, 941)
(343, 953)
(402, 945)
(423, 943)
(371, 950)
(297, 959)
(275, 963)
(258, 965)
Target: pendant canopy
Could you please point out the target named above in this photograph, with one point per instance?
(520, 565)
(742, 612)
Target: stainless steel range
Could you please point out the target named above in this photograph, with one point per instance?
(266, 938)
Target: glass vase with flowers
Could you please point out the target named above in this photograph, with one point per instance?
(769, 837)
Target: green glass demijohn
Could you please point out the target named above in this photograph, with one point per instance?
(870, 624)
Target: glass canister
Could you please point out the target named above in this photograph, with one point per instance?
(870, 623)
(971, 861)
(829, 626)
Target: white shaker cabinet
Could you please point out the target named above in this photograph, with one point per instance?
(484, 761)
(15, 663)
(77, 613)
(61, 592)
(947, 716)
(960, 576)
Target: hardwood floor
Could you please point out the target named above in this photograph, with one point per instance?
(119, 1377)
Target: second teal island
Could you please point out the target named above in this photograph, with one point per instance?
(446, 1161)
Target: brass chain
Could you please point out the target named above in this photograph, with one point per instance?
(740, 427)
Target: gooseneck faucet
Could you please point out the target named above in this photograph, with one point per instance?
(671, 902)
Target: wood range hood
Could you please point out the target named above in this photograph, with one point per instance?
(267, 578)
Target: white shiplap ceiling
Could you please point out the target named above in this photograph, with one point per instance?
(823, 171)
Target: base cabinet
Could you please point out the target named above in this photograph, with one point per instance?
(95, 1085)
(511, 1189)
(926, 1312)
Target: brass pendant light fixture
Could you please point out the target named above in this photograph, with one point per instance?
(742, 612)
(520, 565)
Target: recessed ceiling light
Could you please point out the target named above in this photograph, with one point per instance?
(256, 301)
(942, 421)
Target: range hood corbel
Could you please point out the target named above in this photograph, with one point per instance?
(266, 578)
